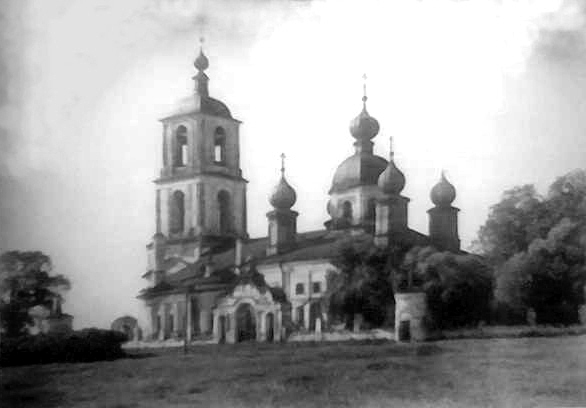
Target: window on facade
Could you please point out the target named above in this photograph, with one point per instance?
(180, 151)
(224, 212)
(316, 287)
(299, 289)
(347, 210)
(220, 146)
(177, 216)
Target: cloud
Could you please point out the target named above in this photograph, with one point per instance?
(561, 34)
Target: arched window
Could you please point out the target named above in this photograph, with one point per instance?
(180, 152)
(299, 289)
(347, 210)
(220, 146)
(177, 218)
(224, 212)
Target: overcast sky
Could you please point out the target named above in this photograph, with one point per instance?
(494, 92)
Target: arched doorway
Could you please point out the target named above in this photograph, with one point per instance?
(222, 328)
(245, 323)
(270, 327)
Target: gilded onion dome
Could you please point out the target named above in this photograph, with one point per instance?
(392, 180)
(283, 196)
(443, 193)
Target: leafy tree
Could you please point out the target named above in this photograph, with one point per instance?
(548, 277)
(536, 245)
(25, 282)
(362, 284)
(512, 224)
(458, 286)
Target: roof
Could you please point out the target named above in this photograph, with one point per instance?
(358, 170)
(310, 246)
(199, 104)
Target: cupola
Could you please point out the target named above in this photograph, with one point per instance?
(392, 180)
(282, 220)
(283, 196)
(443, 193)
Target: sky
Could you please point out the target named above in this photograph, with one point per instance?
(493, 91)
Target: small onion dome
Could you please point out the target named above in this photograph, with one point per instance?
(364, 126)
(283, 196)
(443, 193)
(392, 180)
(201, 62)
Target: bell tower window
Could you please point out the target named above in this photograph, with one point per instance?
(224, 212)
(177, 218)
(180, 151)
(220, 146)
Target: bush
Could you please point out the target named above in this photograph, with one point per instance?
(79, 346)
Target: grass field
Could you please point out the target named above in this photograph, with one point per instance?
(548, 372)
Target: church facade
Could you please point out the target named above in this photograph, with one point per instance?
(208, 280)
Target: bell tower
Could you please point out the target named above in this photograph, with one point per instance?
(200, 193)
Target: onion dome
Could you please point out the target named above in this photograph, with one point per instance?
(283, 196)
(392, 180)
(364, 126)
(201, 62)
(443, 193)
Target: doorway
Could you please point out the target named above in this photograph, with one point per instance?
(270, 327)
(405, 330)
(245, 323)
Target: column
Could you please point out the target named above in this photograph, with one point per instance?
(163, 319)
(306, 315)
(216, 327)
(175, 308)
(189, 322)
(262, 335)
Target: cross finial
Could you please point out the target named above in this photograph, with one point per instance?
(392, 151)
(364, 97)
(282, 164)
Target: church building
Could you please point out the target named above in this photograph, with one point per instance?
(208, 280)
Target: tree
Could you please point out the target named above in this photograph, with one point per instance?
(536, 246)
(458, 286)
(548, 277)
(512, 224)
(25, 282)
(362, 284)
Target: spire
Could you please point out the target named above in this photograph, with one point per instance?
(201, 63)
(283, 165)
(364, 97)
